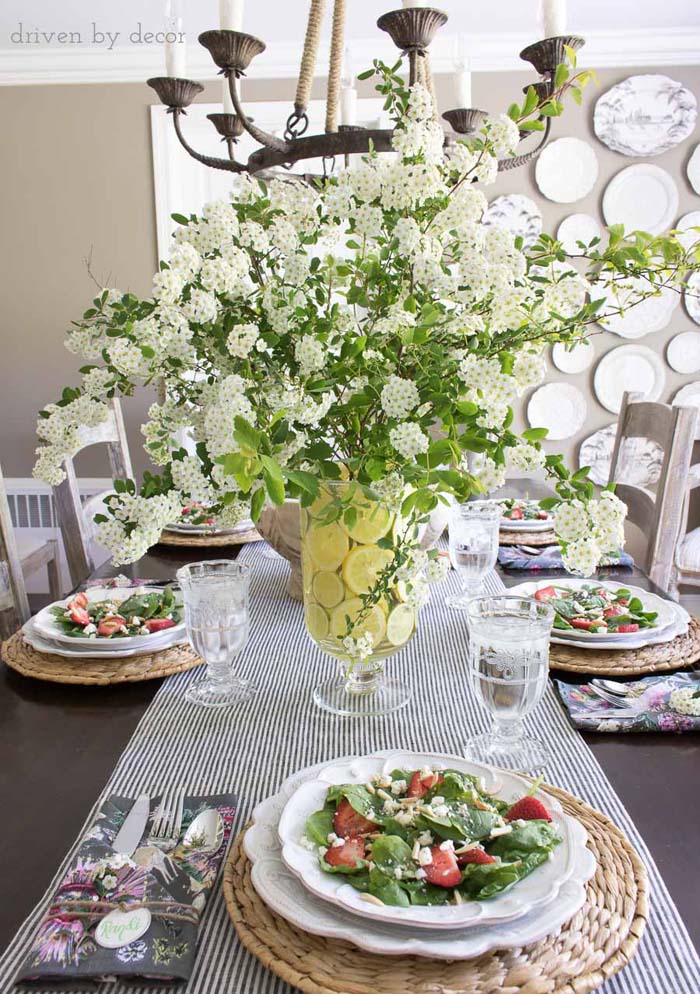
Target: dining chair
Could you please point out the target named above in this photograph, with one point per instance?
(660, 513)
(20, 557)
(688, 549)
(75, 516)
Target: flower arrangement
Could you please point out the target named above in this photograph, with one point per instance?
(371, 326)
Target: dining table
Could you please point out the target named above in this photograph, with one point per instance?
(59, 744)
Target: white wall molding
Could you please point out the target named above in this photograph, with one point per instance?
(26, 65)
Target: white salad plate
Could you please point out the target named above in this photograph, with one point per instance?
(637, 319)
(628, 367)
(522, 524)
(46, 627)
(573, 359)
(693, 169)
(41, 644)
(559, 407)
(518, 213)
(540, 887)
(683, 352)
(578, 228)
(645, 115)
(185, 529)
(640, 458)
(684, 229)
(643, 197)
(566, 170)
(284, 893)
(691, 297)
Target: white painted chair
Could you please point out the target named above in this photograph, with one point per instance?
(661, 515)
(75, 517)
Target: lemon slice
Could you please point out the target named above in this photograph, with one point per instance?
(316, 621)
(373, 621)
(400, 624)
(373, 521)
(362, 566)
(400, 590)
(328, 588)
(327, 545)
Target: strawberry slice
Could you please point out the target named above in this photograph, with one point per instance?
(419, 786)
(587, 625)
(545, 594)
(475, 855)
(80, 600)
(108, 626)
(516, 514)
(159, 624)
(352, 850)
(633, 627)
(443, 871)
(543, 515)
(614, 611)
(348, 823)
(79, 616)
(529, 809)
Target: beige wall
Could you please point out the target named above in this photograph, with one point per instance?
(77, 179)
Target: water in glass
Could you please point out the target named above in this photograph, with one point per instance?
(473, 546)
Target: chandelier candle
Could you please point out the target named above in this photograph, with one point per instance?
(552, 16)
(228, 102)
(175, 49)
(231, 15)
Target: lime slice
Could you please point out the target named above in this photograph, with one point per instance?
(328, 588)
(373, 521)
(400, 624)
(362, 566)
(373, 621)
(327, 545)
(316, 621)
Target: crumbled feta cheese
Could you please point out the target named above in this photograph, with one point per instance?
(420, 874)
(427, 771)
(323, 850)
(337, 843)
(136, 620)
(398, 872)
(89, 629)
(520, 822)
(330, 838)
(441, 811)
(501, 830)
(425, 857)
(426, 838)
(390, 807)
(404, 816)
(384, 781)
(447, 846)
(437, 800)
(144, 631)
(398, 787)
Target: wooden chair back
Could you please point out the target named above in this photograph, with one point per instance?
(14, 604)
(74, 527)
(661, 515)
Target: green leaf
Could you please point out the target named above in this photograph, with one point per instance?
(532, 126)
(247, 436)
(257, 504)
(274, 481)
(531, 101)
(535, 434)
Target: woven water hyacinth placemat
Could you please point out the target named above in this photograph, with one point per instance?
(199, 541)
(526, 538)
(96, 670)
(681, 651)
(595, 944)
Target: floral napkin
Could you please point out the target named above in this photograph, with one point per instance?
(513, 557)
(659, 704)
(169, 890)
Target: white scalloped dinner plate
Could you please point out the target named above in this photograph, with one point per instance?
(80, 652)
(693, 169)
(628, 367)
(541, 886)
(573, 360)
(46, 627)
(284, 893)
(566, 170)
(578, 228)
(691, 297)
(638, 319)
(683, 352)
(559, 407)
(643, 197)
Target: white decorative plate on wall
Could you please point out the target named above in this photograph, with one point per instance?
(643, 197)
(628, 367)
(578, 228)
(566, 170)
(645, 115)
(559, 407)
(684, 233)
(518, 213)
(688, 396)
(637, 320)
(683, 352)
(693, 169)
(573, 360)
(640, 460)
(691, 297)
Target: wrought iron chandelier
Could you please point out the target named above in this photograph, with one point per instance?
(411, 28)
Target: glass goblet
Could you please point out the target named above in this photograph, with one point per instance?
(473, 546)
(217, 617)
(508, 668)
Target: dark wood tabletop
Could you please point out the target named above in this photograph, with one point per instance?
(59, 744)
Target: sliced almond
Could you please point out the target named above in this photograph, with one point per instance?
(371, 899)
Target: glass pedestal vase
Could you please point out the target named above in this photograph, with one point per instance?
(354, 609)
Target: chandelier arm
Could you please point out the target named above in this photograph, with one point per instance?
(264, 137)
(521, 160)
(335, 65)
(208, 160)
(308, 58)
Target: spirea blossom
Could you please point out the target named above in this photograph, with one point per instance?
(408, 439)
(399, 397)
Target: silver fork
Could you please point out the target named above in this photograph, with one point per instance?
(167, 821)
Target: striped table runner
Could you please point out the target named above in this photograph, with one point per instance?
(250, 749)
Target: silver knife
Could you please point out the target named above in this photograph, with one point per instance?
(129, 835)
